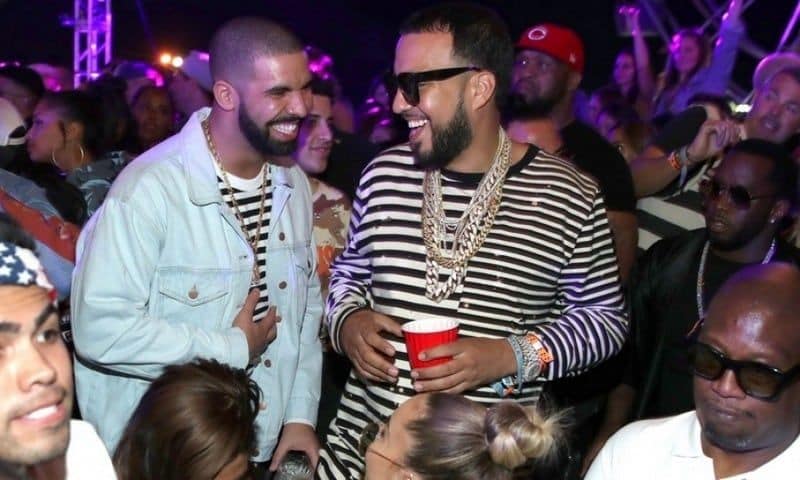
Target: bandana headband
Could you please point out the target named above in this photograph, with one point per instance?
(19, 266)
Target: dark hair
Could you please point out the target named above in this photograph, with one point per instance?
(193, 420)
(636, 131)
(720, 101)
(784, 171)
(457, 439)
(118, 122)
(322, 86)
(633, 93)
(25, 77)
(237, 44)
(608, 95)
(11, 232)
(480, 38)
(86, 109)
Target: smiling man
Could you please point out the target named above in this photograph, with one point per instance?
(37, 438)
(203, 246)
(463, 223)
(746, 367)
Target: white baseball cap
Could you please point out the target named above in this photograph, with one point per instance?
(196, 66)
(12, 126)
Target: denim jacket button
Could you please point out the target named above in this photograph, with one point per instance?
(281, 236)
(267, 363)
(282, 285)
(193, 292)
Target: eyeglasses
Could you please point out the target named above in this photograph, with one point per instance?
(365, 444)
(737, 194)
(408, 82)
(756, 379)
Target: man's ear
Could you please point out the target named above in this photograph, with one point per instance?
(482, 88)
(779, 211)
(225, 95)
(573, 80)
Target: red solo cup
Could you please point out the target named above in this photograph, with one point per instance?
(421, 335)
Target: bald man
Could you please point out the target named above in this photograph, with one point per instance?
(746, 366)
(204, 244)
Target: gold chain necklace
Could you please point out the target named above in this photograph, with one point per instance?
(470, 231)
(252, 237)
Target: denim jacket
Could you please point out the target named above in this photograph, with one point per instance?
(162, 270)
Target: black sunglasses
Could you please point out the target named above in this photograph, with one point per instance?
(408, 82)
(738, 195)
(756, 379)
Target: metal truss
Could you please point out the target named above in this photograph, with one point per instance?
(91, 38)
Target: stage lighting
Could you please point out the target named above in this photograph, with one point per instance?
(177, 61)
(165, 59)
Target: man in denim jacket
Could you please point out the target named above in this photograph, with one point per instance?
(188, 229)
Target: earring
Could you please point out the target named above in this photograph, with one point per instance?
(83, 154)
(53, 158)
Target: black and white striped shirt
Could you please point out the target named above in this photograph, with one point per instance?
(547, 266)
(247, 193)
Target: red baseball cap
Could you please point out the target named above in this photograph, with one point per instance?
(559, 42)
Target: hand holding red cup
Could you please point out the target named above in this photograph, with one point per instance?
(422, 335)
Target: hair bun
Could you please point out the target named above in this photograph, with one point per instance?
(517, 435)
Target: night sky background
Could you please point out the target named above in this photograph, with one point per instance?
(359, 34)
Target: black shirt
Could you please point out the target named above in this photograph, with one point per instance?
(594, 155)
(664, 309)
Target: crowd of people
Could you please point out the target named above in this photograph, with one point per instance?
(204, 273)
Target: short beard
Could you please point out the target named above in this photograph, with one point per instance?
(534, 106)
(519, 108)
(727, 442)
(447, 143)
(260, 139)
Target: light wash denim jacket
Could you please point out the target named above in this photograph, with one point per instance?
(162, 270)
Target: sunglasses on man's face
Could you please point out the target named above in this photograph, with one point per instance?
(756, 379)
(408, 82)
(737, 194)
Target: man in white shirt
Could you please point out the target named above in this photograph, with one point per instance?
(37, 438)
(746, 364)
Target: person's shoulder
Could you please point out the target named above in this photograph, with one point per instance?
(396, 158)
(644, 434)
(563, 173)
(680, 242)
(578, 135)
(160, 165)
(86, 451)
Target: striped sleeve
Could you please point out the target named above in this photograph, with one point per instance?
(594, 323)
(349, 288)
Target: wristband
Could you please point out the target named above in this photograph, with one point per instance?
(674, 161)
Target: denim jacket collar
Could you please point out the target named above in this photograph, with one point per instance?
(201, 177)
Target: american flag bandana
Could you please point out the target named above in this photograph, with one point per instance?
(19, 266)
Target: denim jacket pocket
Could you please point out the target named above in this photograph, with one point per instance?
(194, 286)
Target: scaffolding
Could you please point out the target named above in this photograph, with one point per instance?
(91, 39)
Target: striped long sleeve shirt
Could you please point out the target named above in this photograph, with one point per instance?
(547, 266)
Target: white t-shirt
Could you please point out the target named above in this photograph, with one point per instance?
(669, 448)
(87, 457)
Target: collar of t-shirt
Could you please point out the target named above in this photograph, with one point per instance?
(690, 446)
(243, 184)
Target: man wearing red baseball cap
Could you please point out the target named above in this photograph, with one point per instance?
(548, 69)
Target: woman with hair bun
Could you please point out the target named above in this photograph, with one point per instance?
(442, 436)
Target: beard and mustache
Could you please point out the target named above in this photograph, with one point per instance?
(528, 102)
(447, 142)
(260, 138)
